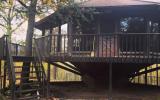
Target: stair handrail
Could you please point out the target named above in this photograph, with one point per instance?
(39, 56)
(40, 59)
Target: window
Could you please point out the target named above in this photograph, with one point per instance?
(133, 42)
(133, 25)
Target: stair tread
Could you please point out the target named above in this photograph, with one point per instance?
(17, 66)
(26, 78)
(31, 83)
(27, 72)
(26, 90)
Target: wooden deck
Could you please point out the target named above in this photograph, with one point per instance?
(114, 48)
(103, 59)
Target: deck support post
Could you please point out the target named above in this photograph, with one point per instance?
(43, 32)
(146, 76)
(157, 75)
(110, 81)
(48, 73)
(48, 79)
(55, 72)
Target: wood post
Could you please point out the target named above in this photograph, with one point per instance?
(59, 39)
(43, 32)
(50, 41)
(97, 42)
(55, 72)
(157, 75)
(146, 76)
(70, 38)
(49, 70)
(148, 30)
(110, 81)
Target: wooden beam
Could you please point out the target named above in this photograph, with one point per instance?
(74, 68)
(144, 72)
(67, 69)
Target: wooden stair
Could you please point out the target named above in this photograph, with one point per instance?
(31, 90)
(29, 84)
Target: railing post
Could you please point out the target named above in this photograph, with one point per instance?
(59, 39)
(16, 50)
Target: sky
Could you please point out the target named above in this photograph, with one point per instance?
(153, 0)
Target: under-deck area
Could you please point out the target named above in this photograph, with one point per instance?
(75, 90)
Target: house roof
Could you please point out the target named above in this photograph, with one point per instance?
(108, 3)
(51, 20)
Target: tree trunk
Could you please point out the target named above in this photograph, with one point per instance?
(9, 26)
(28, 48)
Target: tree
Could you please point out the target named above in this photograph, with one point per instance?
(34, 7)
(11, 17)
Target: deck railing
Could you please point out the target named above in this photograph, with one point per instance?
(121, 45)
(17, 49)
(2, 46)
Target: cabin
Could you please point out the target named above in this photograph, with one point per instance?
(109, 43)
(120, 38)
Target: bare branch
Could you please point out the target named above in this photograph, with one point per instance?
(18, 26)
(23, 4)
(2, 25)
(3, 17)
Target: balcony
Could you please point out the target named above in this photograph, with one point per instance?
(120, 47)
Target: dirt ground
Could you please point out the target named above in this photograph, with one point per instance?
(80, 92)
